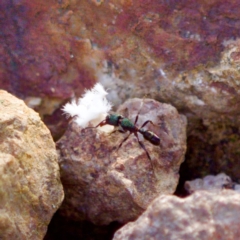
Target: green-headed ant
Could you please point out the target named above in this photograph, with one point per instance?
(125, 125)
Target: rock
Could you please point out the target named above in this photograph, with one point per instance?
(43, 65)
(213, 148)
(30, 187)
(64, 228)
(213, 130)
(160, 38)
(102, 184)
(209, 183)
(203, 215)
(44, 69)
(177, 53)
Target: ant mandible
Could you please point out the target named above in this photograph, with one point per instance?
(125, 125)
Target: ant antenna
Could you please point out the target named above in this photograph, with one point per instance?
(136, 119)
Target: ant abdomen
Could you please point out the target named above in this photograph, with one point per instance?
(150, 136)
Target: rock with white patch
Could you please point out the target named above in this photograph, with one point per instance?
(104, 185)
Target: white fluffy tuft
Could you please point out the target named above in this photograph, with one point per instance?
(92, 107)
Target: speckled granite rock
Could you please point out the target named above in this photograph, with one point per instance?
(104, 185)
(30, 187)
(203, 215)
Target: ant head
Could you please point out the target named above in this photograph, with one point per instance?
(113, 119)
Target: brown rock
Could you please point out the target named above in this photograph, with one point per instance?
(30, 188)
(104, 185)
(213, 129)
(203, 215)
(213, 147)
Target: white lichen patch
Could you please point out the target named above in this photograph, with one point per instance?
(91, 109)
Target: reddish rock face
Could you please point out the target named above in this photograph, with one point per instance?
(37, 55)
(50, 49)
(39, 58)
(102, 184)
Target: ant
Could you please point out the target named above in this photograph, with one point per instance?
(125, 125)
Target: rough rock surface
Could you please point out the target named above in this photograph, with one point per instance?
(211, 183)
(146, 41)
(30, 187)
(203, 215)
(104, 185)
(181, 52)
(39, 55)
(213, 147)
(185, 53)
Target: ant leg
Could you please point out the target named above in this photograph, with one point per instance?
(125, 139)
(148, 121)
(118, 130)
(136, 119)
(144, 148)
(102, 123)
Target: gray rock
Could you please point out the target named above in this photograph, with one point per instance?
(203, 215)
